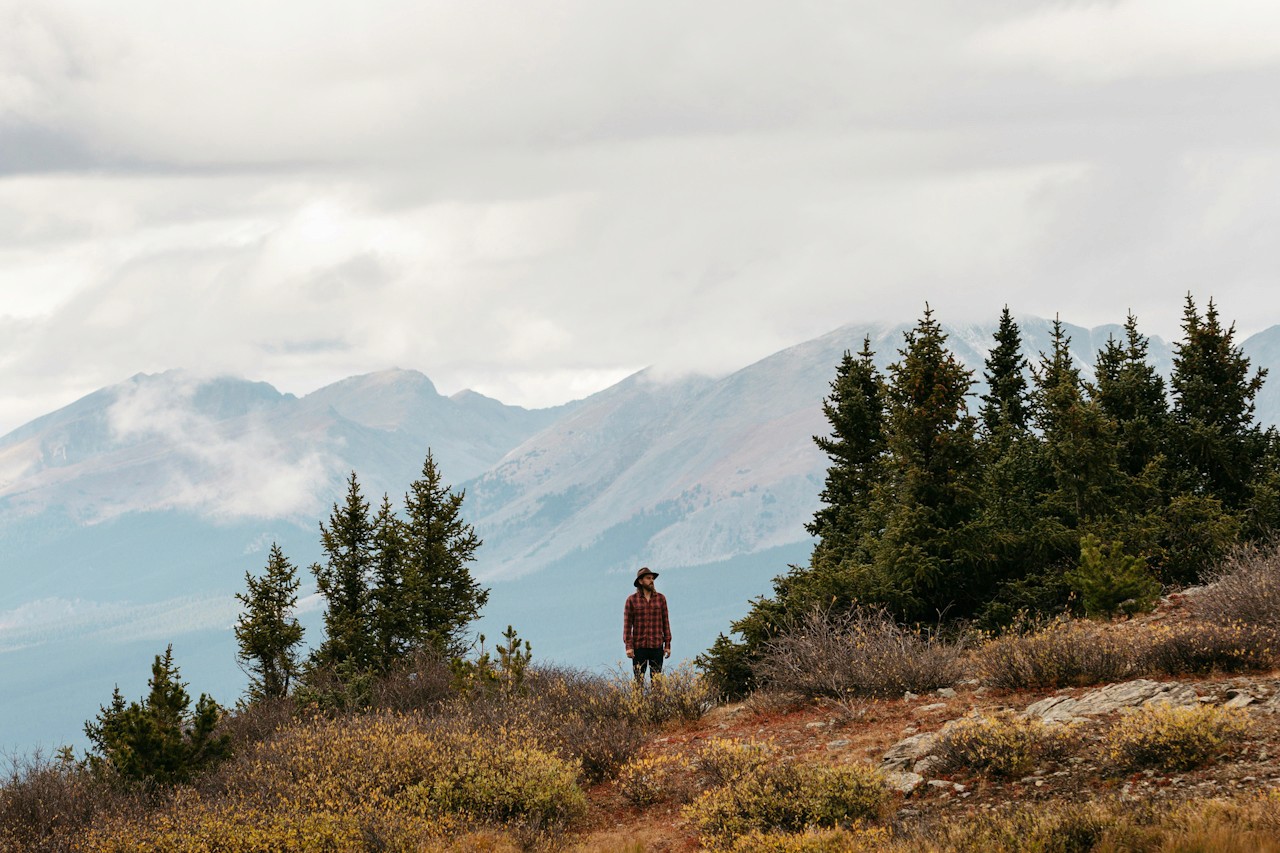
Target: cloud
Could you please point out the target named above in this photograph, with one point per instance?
(48, 620)
(1097, 42)
(538, 201)
(225, 468)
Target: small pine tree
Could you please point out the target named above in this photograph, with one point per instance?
(267, 632)
(343, 581)
(1110, 581)
(438, 597)
(159, 739)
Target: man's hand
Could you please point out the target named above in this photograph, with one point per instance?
(667, 651)
(630, 653)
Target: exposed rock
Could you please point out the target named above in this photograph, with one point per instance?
(904, 782)
(1112, 698)
(1051, 709)
(907, 751)
(929, 709)
(946, 692)
(928, 765)
(1240, 700)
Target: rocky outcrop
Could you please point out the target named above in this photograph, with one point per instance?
(1112, 698)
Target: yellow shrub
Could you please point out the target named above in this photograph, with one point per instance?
(788, 798)
(192, 825)
(648, 780)
(679, 694)
(1168, 738)
(854, 840)
(1001, 745)
(377, 782)
(500, 778)
(722, 760)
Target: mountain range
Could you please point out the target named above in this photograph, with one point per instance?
(129, 518)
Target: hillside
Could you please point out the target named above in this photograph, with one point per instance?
(934, 801)
(1157, 733)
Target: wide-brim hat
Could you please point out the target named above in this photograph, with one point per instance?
(643, 571)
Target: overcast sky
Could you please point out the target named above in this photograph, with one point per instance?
(534, 199)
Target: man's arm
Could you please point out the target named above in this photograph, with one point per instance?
(666, 628)
(628, 619)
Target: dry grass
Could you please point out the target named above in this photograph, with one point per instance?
(860, 652)
(1071, 653)
(1245, 588)
(1066, 653)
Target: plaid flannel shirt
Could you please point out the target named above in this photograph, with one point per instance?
(644, 622)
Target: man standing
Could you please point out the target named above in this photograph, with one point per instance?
(646, 630)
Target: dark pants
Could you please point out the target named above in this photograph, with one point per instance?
(641, 658)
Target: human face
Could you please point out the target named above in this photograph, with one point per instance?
(646, 583)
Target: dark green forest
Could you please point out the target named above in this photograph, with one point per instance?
(1050, 493)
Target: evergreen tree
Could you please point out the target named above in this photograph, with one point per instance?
(343, 581)
(1078, 439)
(159, 739)
(1110, 581)
(1132, 394)
(1218, 445)
(438, 596)
(267, 632)
(1006, 405)
(926, 560)
(855, 410)
(391, 630)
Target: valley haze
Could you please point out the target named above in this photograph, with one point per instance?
(129, 518)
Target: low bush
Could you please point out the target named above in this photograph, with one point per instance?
(579, 716)
(788, 797)
(1067, 653)
(1202, 647)
(47, 804)
(1036, 828)
(500, 780)
(722, 761)
(1163, 737)
(421, 682)
(652, 779)
(853, 840)
(193, 824)
(680, 694)
(1243, 825)
(860, 652)
(1002, 745)
(1245, 588)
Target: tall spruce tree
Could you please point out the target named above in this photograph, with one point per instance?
(855, 410)
(927, 561)
(1218, 444)
(343, 581)
(1020, 537)
(1078, 439)
(1132, 394)
(392, 632)
(1006, 405)
(267, 632)
(438, 596)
